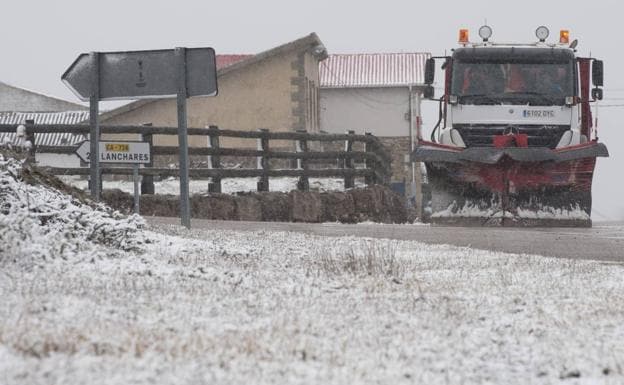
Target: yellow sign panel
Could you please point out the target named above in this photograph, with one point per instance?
(117, 147)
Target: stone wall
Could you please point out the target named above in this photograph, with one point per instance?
(376, 203)
(398, 147)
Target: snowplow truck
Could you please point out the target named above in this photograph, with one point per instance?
(514, 144)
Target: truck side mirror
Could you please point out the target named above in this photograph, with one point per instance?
(429, 71)
(428, 92)
(596, 93)
(597, 73)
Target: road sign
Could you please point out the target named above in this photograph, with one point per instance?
(180, 72)
(117, 152)
(143, 74)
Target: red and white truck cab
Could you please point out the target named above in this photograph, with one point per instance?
(514, 143)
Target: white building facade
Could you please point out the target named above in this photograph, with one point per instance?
(379, 93)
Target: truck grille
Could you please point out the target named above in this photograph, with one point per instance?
(483, 136)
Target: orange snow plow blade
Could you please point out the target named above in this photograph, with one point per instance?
(509, 186)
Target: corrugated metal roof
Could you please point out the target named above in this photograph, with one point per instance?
(51, 139)
(373, 70)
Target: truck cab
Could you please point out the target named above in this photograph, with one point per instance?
(514, 144)
(532, 90)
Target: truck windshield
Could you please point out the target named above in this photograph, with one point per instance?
(539, 84)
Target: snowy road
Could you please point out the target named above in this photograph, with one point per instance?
(604, 241)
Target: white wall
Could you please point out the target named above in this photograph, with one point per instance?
(380, 111)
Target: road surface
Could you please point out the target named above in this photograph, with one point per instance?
(604, 241)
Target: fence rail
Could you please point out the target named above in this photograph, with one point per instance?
(223, 173)
(358, 156)
(375, 158)
(212, 130)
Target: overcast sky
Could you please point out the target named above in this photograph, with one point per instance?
(40, 39)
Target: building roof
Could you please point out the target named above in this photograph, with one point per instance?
(49, 139)
(373, 70)
(227, 60)
(230, 63)
(14, 98)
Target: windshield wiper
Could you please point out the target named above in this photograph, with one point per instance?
(482, 98)
(531, 94)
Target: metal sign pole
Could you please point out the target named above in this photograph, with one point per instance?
(140, 75)
(185, 212)
(135, 177)
(94, 101)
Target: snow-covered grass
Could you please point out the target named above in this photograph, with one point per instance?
(39, 223)
(228, 185)
(267, 307)
(224, 307)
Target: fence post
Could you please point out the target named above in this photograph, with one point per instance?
(370, 164)
(302, 164)
(30, 136)
(214, 161)
(348, 161)
(263, 161)
(147, 182)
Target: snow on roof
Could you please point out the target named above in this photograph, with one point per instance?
(48, 139)
(33, 101)
(373, 70)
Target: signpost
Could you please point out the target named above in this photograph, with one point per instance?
(134, 153)
(94, 113)
(117, 152)
(181, 73)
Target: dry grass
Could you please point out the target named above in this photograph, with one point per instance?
(364, 258)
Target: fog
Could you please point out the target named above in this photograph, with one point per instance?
(41, 39)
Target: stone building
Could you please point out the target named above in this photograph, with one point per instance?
(275, 89)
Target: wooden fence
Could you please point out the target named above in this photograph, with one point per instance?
(376, 159)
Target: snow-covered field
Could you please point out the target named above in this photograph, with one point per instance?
(168, 305)
(228, 185)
